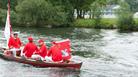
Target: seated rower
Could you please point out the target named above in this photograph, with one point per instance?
(55, 53)
(29, 48)
(14, 44)
(65, 49)
(42, 51)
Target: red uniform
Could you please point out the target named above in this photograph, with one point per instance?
(14, 43)
(55, 53)
(29, 49)
(42, 51)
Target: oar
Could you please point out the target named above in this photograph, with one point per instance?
(2, 49)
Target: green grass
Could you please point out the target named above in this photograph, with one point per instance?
(84, 23)
(109, 23)
(106, 23)
(136, 21)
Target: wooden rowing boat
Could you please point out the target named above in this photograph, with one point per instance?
(35, 63)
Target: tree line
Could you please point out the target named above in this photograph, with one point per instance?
(58, 13)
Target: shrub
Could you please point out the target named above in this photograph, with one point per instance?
(125, 18)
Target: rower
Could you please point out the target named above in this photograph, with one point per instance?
(14, 44)
(29, 48)
(42, 51)
(55, 52)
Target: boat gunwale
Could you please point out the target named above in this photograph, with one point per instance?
(35, 63)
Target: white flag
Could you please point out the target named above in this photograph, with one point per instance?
(7, 31)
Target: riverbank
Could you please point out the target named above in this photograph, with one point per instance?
(106, 23)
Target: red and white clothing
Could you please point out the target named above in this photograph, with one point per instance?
(41, 53)
(14, 42)
(29, 49)
(55, 53)
(14, 45)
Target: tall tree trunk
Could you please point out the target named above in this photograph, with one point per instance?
(90, 14)
(77, 13)
(93, 15)
(83, 14)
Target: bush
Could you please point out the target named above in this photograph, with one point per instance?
(126, 23)
(125, 18)
(40, 13)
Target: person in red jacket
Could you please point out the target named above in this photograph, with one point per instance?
(14, 44)
(42, 51)
(55, 52)
(30, 48)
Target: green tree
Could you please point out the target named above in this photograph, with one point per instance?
(133, 5)
(40, 13)
(31, 12)
(3, 4)
(96, 9)
(67, 8)
(125, 17)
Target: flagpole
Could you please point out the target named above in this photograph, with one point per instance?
(9, 15)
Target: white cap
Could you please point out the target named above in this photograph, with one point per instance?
(15, 32)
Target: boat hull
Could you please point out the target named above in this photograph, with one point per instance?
(35, 63)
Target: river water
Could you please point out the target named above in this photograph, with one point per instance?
(104, 53)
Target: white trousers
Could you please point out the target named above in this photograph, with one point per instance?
(37, 56)
(48, 59)
(13, 50)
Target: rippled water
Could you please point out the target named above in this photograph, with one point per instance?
(104, 53)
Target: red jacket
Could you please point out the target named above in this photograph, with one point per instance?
(14, 43)
(55, 53)
(29, 49)
(42, 51)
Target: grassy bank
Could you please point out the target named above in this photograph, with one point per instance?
(106, 23)
(136, 21)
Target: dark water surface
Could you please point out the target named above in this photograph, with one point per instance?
(104, 53)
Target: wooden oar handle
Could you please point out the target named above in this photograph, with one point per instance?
(2, 49)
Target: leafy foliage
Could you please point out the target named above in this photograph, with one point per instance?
(56, 13)
(40, 12)
(125, 17)
(133, 5)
